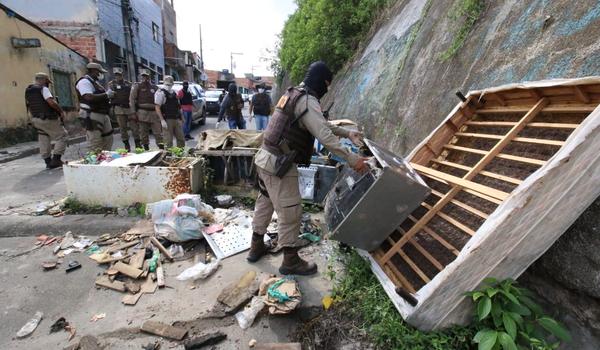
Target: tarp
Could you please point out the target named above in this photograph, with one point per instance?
(227, 139)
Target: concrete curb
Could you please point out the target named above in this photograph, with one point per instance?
(88, 225)
(35, 149)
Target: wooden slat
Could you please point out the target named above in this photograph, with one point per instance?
(483, 162)
(451, 220)
(413, 266)
(484, 173)
(539, 141)
(490, 123)
(426, 254)
(396, 275)
(581, 95)
(437, 237)
(454, 180)
(553, 125)
(475, 193)
(479, 136)
(499, 155)
(463, 205)
(550, 109)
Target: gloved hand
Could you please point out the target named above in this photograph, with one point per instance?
(163, 123)
(361, 166)
(110, 93)
(217, 125)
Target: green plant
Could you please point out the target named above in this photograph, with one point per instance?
(507, 318)
(176, 151)
(139, 150)
(467, 11)
(358, 290)
(121, 151)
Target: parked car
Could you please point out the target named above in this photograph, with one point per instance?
(199, 108)
(213, 103)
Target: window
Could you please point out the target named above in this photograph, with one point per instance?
(62, 89)
(155, 32)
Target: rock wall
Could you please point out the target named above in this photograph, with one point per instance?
(399, 90)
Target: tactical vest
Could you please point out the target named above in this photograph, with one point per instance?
(38, 107)
(145, 95)
(261, 104)
(122, 90)
(102, 106)
(187, 97)
(234, 112)
(284, 126)
(170, 109)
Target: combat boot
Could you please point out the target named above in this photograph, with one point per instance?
(257, 248)
(47, 160)
(127, 146)
(161, 146)
(294, 265)
(147, 147)
(55, 162)
(138, 144)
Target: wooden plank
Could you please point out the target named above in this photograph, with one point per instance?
(485, 173)
(581, 95)
(483, 162)
(413, 266)
(454, 180)
(160, 276)
(163, 330)
(127, 270)
(122, 246)
(437, 237)
(466, 149)
(104, 281)
(490, 123)
(474, 193)
(554, 108)
(463, 205)
(426, 254)
(137, 260)
(479, 136)
(553, 125)
(539, 141)
(451, 220)
(162, 249)
(395, 275)
(131, 299)
(521, 159)
(278, 346)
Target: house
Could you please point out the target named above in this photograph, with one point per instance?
(117, 33)
(28, 49)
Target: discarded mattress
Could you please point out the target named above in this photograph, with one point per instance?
(510, 169)
(227, 139)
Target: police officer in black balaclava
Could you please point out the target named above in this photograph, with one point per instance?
(318, 77)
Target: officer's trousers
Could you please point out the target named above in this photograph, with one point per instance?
(48, 130)
(149, 120)
(127, 123)
(100, 138)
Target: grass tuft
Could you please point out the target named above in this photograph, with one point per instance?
(467, 11)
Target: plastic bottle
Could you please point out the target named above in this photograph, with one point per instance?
(31, 325)
(154, 261)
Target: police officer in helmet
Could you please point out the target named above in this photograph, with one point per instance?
(288, 141)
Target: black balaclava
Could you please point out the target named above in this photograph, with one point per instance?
(185, 86)
(232, 89)
(316, 76)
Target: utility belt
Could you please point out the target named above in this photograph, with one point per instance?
(144, 108)
(285, 157)
(122, 105)
(44, 117)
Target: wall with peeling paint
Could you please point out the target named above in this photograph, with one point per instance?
(18, 67)
(399, 90)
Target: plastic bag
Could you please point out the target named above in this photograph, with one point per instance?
(246, 317)
(176, 219)
(199, 271)
(31, 325)
(176, 251)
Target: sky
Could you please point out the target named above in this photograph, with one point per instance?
(251, 28)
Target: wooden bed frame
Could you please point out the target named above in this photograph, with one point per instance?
(493, 150)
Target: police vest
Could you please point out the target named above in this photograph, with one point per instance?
(284, 126)
(187, 98)
(145, 95)
(170, 109)
(101, 106)
(262, 105)
(234, 112)
(122, 90)
(38, 107)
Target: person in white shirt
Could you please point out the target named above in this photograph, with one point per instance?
(47, 119)
(94, 107)
(168, 109)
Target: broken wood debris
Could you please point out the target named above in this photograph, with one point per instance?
(204, 340)
(163, 330)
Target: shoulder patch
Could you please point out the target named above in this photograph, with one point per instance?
(282, 101)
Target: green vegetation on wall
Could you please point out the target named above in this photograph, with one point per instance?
(465, 13)
(328, 30)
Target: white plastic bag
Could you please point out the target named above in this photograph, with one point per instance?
(246, 317)
(31, 325)
(199, 271)
(176, 220)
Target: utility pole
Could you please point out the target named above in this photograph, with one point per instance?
(231, 60)
(201, 55)
(129, 52)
